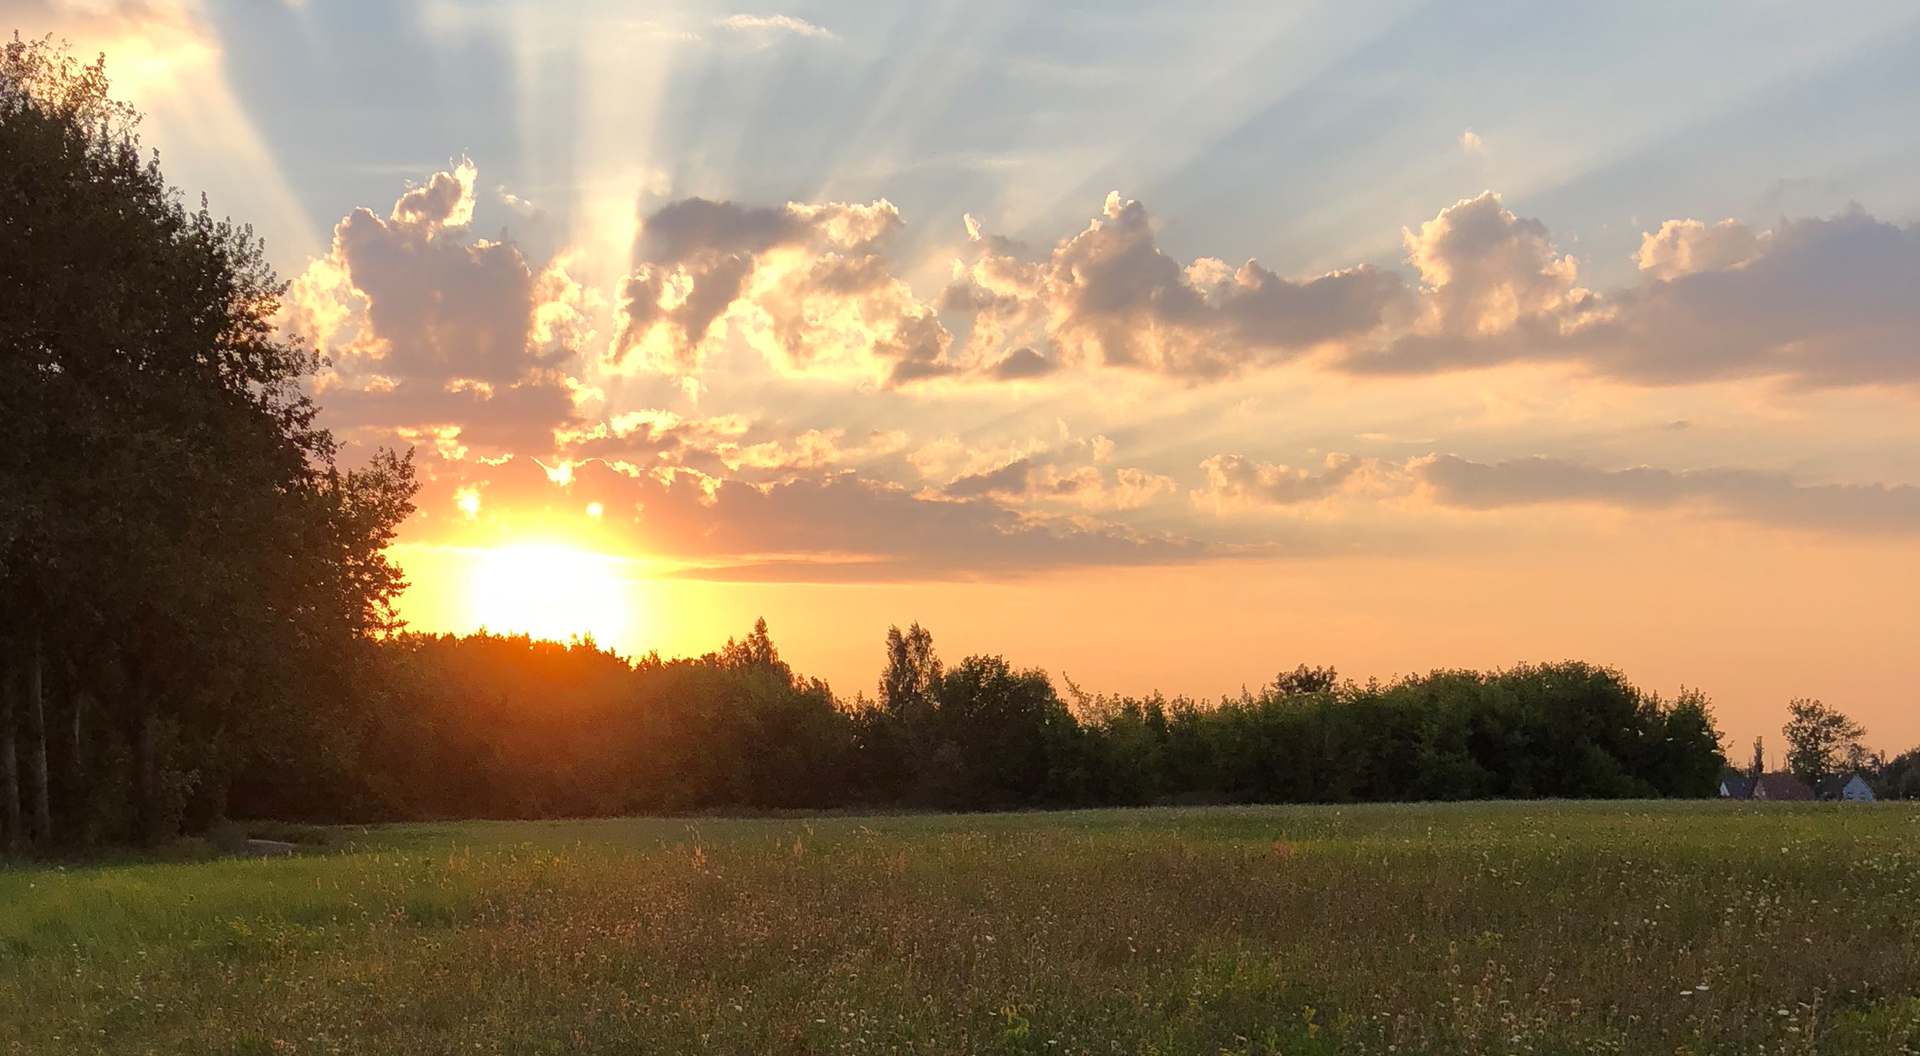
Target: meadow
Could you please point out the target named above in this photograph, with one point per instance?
(1656, 927)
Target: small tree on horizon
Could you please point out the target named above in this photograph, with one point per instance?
(1821, 741)
(1303, 681)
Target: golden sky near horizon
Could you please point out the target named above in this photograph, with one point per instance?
(1413, 336)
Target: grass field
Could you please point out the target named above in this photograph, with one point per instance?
(1487, 928)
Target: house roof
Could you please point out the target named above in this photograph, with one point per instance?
(1737, 787)
(1781, 786)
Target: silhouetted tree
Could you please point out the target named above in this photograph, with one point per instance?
(174, 538)
(1303, 680)
(1820, 740)
(912, 671)
(1899, 777)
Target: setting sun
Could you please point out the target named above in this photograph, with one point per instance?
(551, 591)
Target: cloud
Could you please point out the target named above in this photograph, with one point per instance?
(1687, 247)
(1010, 479)
(826, 526)
(1471, 142)
(1022, 363)
(1451, 482)
(1028, 480)
(1493, 288)
(656, 437)
(1742, 494)
(1814, 302)
(1485, 270)
(773, 25)
(1109, 297)
(1234, 482)
(427, 329)
(519, 205)
(805, 285)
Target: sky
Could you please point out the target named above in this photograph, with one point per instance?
(1160, 345)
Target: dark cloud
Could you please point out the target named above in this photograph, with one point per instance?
(694, 228)
(1022, 363)
(712, 246)
(1010, 479)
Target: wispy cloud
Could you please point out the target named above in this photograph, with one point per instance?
(1750, 495)
(774, 24)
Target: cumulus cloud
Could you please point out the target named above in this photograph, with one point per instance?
(427, 329)
(1742, 494)
(1685, 247)
(1817, 302)
(1814, 302)
(1485, 270)
(805, 285)
(1493, 287)
(1109, 296)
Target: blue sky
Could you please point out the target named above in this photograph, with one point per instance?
(1302, 134)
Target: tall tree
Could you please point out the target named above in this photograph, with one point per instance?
(171, 520)
(912, 670)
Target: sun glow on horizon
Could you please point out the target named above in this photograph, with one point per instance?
(551, 591)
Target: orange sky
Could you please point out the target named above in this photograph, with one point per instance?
(1753, 618)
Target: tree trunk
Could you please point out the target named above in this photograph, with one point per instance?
(73, 772)
(9, 766)
(146, 772)
(37, 747)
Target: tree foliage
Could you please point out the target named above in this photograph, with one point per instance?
(187, 575)
(1899, 777)
(1821, 741)
(500, 726)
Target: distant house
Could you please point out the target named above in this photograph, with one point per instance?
(1848, 787)
(1733, 786)
(1781, 787)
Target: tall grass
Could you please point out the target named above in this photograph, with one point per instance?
(1485, 928)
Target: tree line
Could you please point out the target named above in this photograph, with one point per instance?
(512, 727)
